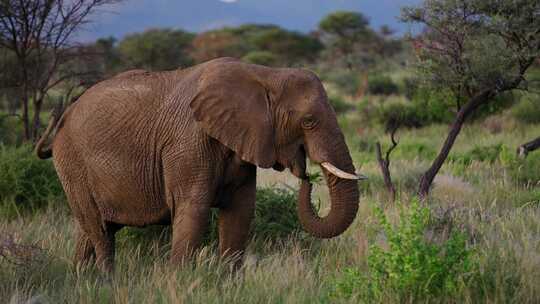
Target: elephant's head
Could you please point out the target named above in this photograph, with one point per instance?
(274, 118)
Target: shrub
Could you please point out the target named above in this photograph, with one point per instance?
(10, 130)
(413, 268)
(261, 57)
(339, 105)
(382, 85)
(527, 110)
(275, 213)
(26, 182)
(399, 114)
(347, 81)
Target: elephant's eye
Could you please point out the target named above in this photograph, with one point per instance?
(309, 122)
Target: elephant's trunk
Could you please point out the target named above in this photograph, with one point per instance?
(344, 205)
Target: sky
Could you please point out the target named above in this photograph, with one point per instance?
(199, 15)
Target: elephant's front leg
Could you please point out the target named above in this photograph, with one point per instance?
(235, 219)
(189, 226)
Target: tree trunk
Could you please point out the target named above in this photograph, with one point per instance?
(25, 117)
(36, 121)
(427, 178)
(524, 149)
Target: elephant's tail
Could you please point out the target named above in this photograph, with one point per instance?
(43, 150)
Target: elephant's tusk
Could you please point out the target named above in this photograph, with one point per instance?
(340, 173)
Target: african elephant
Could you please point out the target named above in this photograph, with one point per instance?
(147, 148)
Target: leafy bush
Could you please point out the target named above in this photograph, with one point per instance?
(382, 85)
(347, 81)
(10, 130)
(413, 268)
(26, 182)
(275, 213)
(339, 105)
(399, 114)
(527, 110)
(261, 57)
(427, 107)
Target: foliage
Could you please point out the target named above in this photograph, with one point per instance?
(382, 85)
(290, 47)
(346, 27)
(275, 213)
(427, 107)
(471, 46)
(156, 49)
(26, 182)
(412, 267)
(261, 57)
(10, 130)
(527, 110)
(339, 104)
(347, 81)
(256, 43)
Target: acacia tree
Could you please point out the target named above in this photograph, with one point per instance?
(478, 49)
(39, 33)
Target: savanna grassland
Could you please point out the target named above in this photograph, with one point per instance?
(474, 239)
(484, 194)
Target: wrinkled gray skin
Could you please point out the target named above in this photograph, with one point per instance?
(163, 148)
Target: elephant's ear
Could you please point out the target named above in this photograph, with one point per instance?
(234, 108)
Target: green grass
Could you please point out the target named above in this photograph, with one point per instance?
(491, 198)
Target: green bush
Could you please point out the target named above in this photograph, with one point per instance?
(261, 57)
(339, 105)
(412, 268)
(427, 107)
(382, 85)
(527, 110)
(10, 130)
(26, 182)
(347, 81)
(399, 114)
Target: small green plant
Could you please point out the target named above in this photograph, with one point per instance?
(411, 267)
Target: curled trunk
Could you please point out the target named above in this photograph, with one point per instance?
(344, 205)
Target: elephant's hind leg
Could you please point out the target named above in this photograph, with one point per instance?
(84, 249)
(94, 236)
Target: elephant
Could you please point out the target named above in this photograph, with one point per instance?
(145, 148)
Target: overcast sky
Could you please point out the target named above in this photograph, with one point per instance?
(199, 15)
